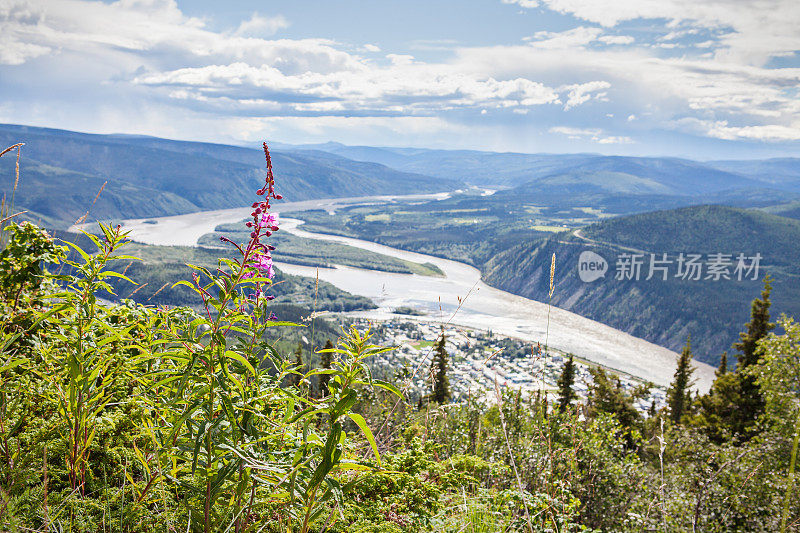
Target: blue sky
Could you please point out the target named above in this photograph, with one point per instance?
(710, 80)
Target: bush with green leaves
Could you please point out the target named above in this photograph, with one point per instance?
(121, 417)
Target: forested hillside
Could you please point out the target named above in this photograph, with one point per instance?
(663, 311)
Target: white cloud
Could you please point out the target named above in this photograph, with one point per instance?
(258, 26)
(759, 30)
(569, 39)
(153, 45)
(523, 3)
(575, 132)
(616, 39)
(722, 130)
(581, 93)
(595, 135)
(400, 59)
(150, 51)
(402, 88)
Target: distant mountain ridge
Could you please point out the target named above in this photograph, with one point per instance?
(675, 175)
(62, 172)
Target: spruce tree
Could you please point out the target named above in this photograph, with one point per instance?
(565, 382)
(757, 328)
(441, 384)
(326, 358)
(679, 397)
(734, 403)
(723, 365)
(751, 401)
(610, 397)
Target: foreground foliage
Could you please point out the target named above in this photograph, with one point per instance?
(123, 417)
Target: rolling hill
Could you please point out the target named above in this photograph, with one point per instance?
(644, 175)
(664, 311)
(155, 177)
(783, 172)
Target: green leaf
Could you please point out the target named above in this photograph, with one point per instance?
(359, 420)
(344, 404)
(112, 274)
(388, 386)
(86, 257)
(241, 359)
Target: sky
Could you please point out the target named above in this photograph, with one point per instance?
(705, 79)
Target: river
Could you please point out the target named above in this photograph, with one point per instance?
(459, 297)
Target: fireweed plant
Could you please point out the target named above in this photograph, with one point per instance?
(247, 448)
(166, 419)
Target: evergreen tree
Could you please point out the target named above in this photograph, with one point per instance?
(723, 365)
(679, 398)
(752, 402)
(734, 402)
(611, 397)
(757, 328)
(565, 382)
(717, 409)
(326, 358)
(441, 384)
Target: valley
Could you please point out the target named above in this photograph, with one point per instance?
(459, 297)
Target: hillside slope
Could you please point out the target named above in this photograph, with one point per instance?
(783, 172)
(163, 177)
(664, 311)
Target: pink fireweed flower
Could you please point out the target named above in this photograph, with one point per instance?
(268, 220)
(257, 260)
(262, 263)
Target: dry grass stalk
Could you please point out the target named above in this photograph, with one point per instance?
(511, 453)
(6, 207)
(86, 214)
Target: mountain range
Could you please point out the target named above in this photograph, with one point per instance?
(63, 171)
(645, 175)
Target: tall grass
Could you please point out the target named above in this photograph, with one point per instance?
(7, 205)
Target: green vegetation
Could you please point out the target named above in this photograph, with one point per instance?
(439, 364)
(467, 228)
(663, 311)
(304, 251)
(138, 417)
(566, 381)
(121, 417)
(679, 394)
(158, 268)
